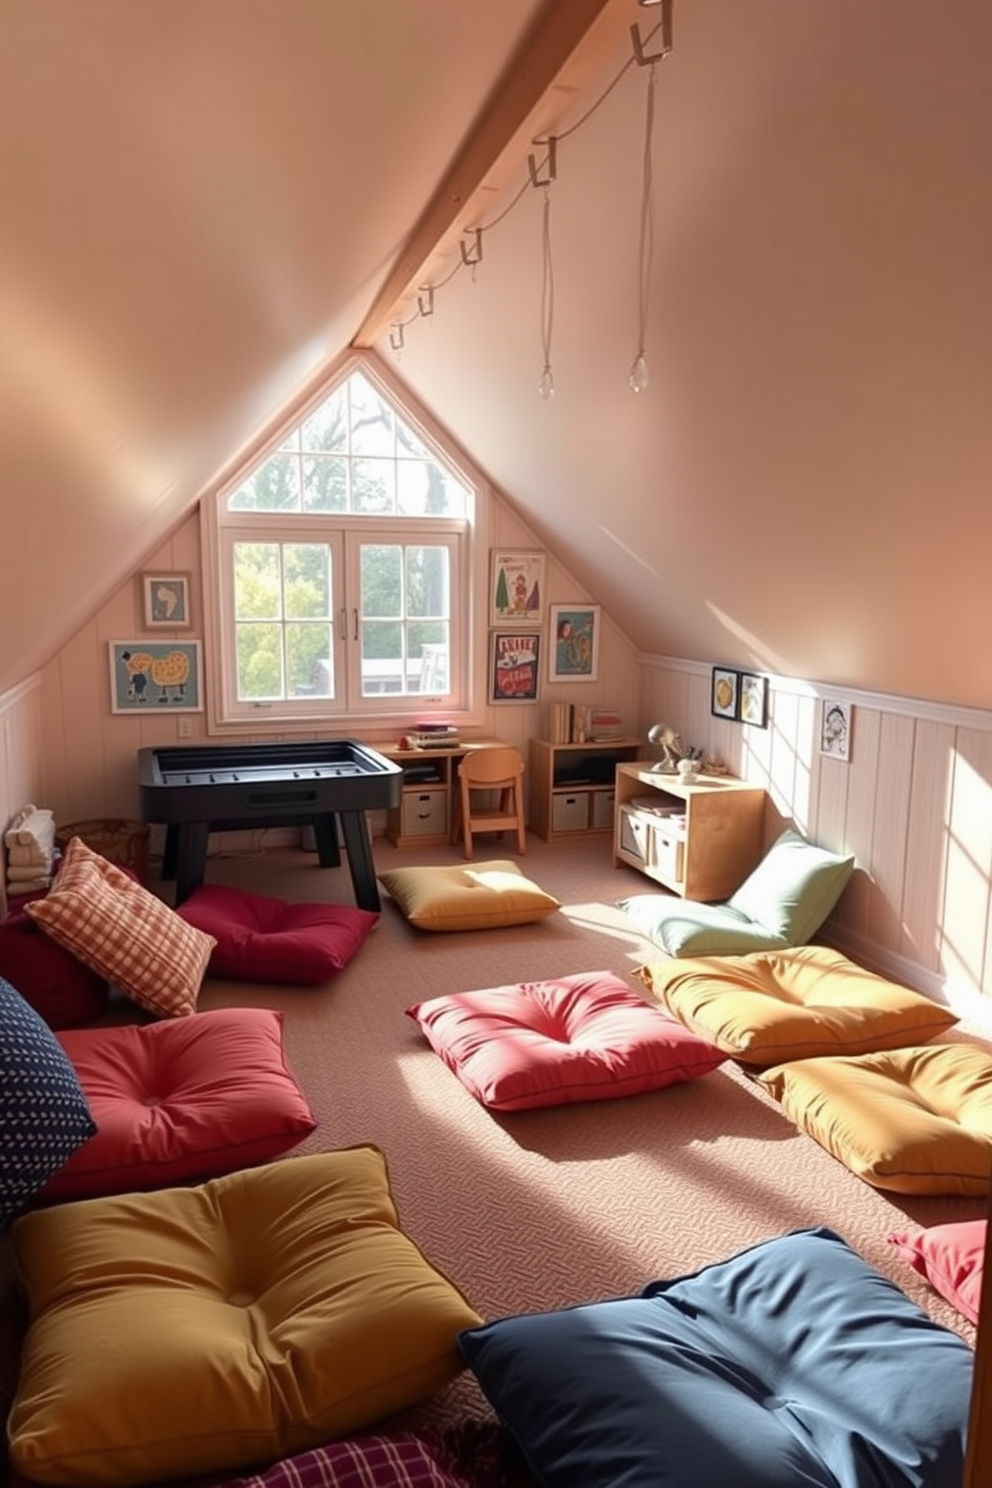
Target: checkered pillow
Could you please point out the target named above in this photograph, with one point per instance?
(136, 941)
(44, 1117)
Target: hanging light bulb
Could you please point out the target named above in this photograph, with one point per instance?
(546, 386)
(639, 379)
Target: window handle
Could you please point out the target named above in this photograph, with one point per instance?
(355, 613)
(343, 617)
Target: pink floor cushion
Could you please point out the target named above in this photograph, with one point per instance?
(261, 939)
(182, 1100)
(574, 1038)
(64, 991)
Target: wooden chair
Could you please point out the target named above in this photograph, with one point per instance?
(490, 770)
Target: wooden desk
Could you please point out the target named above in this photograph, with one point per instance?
(426, 813)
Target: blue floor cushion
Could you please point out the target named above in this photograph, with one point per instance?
(792, 1365)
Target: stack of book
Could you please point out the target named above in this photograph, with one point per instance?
(605, 723)
(433, 736)
(560, 723)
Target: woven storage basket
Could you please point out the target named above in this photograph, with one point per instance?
(116, 839)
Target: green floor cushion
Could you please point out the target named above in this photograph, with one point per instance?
(204, 1329)
(793, 1363)
(470, 896)
(782, 903)
(913, 1121)
(794, 1004)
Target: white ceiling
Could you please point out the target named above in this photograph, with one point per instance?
(204, 201)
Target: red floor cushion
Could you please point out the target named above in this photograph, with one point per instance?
(262, 939)
(187, 1099)
(575, 1038)
(61, 988)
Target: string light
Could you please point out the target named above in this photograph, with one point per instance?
(471, 254)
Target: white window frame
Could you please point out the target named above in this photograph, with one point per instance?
(348, 711)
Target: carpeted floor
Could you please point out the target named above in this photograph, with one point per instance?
(541, 1209)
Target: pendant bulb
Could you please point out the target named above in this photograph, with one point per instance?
(639, 379)
(546, 386)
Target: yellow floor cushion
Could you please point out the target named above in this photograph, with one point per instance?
(914, 1121)
(772, 1006)
(198, 1330)
(470, 896)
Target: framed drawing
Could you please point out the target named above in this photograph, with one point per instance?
(166, 601)
(754, 700)
(514, 658)
(156, 677)
(516, 587)
(836, 718)
(725, 692)
(574, 643)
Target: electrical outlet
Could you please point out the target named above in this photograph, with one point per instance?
(184, 728)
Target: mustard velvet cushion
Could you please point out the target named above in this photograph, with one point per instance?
(115, 926)
(914, 1121)
(199, 1330)
(796, 1004)
(471, 896)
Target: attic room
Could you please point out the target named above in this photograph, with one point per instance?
(684, 306)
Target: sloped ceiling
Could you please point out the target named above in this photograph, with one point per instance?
(203, 201)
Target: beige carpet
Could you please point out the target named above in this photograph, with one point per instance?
(539, 1209)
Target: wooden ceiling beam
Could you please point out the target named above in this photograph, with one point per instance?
(567, 40)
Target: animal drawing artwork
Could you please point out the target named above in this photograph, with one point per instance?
(168, 673)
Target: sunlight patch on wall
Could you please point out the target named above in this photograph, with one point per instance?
(963, 924)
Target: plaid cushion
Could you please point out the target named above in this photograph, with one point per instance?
(129, 936)
(401, 1461)
(44, 1116)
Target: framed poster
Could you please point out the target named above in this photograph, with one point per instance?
(155, 677)
(574, 648)
(516, 587)
(166, 601)
(725, 692)
(754, 699)
(835, 728)
(514, 658)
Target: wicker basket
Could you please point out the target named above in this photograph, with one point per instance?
(116, 839)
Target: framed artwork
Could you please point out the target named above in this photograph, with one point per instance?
(156, 677)
(166, 601)
(514, 658)
(836, 718)
(725, 692)
(574, 643)
(754, 700)
(516, 587)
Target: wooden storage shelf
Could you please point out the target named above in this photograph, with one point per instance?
(571, 786)
(700, 840)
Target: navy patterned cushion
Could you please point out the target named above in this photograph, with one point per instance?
(44, 1117)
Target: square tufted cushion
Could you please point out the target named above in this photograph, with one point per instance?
(952, 1258)
(106, 918)
(181, 1100)
(44, 1117)
(915, 1120)
(210, 1328)
(794, 1004)
(263, 939)
(473, 896)
(575, 1038)
(794, 1362)
(63, 989)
